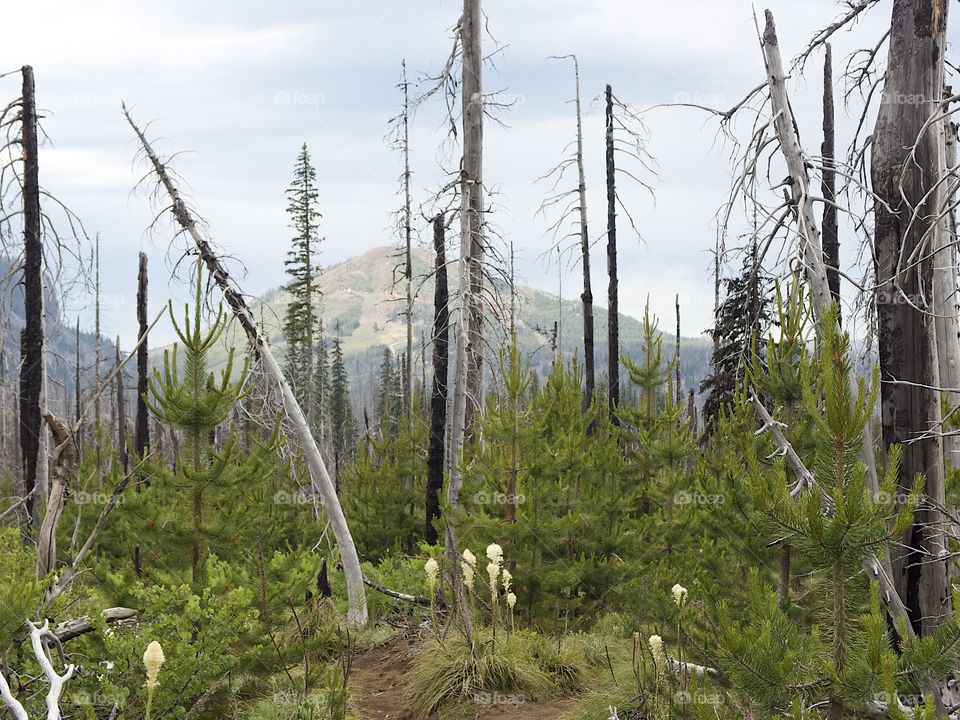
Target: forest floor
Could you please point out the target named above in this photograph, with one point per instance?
(376, 689)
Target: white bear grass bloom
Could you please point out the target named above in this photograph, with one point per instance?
(468, 566)
(657, 650)
(679, 594)
(432, 569)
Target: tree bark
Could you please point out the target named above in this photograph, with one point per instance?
(438, 398)
(321, 482)
(907, 157)
(587, 296)
(141, 436)
(831, 241)
(472, 203)
(613, 318)
(408, 263)
(945, 295)
(31, 338)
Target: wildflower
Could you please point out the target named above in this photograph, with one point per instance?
(433, 572)
(495, 553)
(152, 660)
(493, 570)
(679, 594)
(656, 649)
(511, 600)
(468, 566)
(506, 577)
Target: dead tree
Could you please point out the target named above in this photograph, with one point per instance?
(574, 201)
(321, 482)
(945, 295)
(141, 433)
(408, 258)
(472, 203)
(121, 412)
(613, 317)
(831, 237)
(31, 339)
(907, 158)
(438, 398)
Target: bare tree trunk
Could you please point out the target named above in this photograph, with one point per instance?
(408, 264)
(31, 339)
(438, 399)
(831, 239)
(468, 368)
(121, 414)
(906, 166)
(76, 388)
(676, 355)
(96, 331)
(613, 318)
(587, 296)
(472, 203)
(321, 482)
(945, 295)
(141, 435)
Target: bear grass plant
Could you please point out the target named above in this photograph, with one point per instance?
(497, 663)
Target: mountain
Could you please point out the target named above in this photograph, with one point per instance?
(362, 304)
(60, 341)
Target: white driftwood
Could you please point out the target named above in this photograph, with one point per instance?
(320, 480)
(38, 633)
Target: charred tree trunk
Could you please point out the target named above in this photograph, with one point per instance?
(141, 433)
(830, 238)
(587, 296)
(76, 389)
(31, 338)
(121, 414)
(438, 399)
(613, 318)
(906, 167)
(676, 356)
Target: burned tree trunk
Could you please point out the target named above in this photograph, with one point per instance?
(31, 338)
(141, 431)
(587, 296)
(830, 237)
(121, 413)
(408, 258)
(613, 319)
(438, 399)
(907, 155)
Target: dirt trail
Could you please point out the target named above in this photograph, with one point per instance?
(376, 689)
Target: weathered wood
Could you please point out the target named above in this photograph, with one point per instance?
(320, 480)
(141, 432)
(906, 166)
(831, 234)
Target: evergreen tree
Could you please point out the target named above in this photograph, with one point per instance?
(389, 395)
(301, 321)
(742, 316)
(343, 428)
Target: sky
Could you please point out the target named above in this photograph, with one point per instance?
(238, 87)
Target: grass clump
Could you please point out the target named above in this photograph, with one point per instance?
(454, 671)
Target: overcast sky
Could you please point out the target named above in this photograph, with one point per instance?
(241, 85)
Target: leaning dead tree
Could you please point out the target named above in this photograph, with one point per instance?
(573, 204)
(321, 482)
